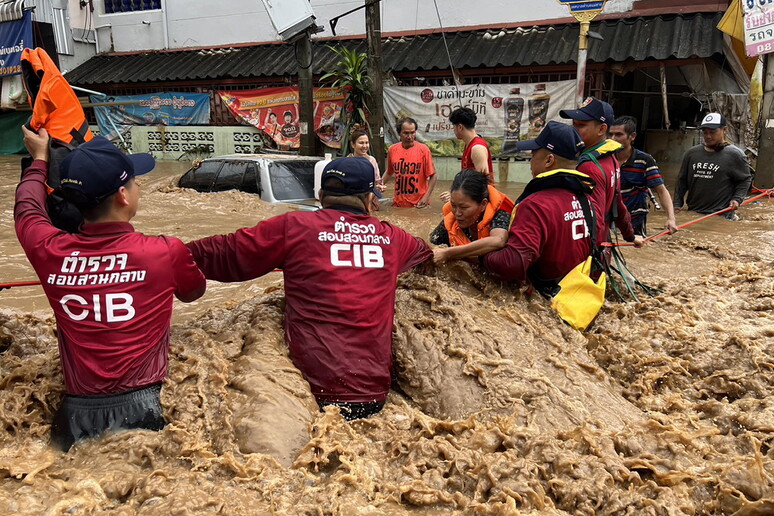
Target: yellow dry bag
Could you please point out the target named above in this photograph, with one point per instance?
(580, 298)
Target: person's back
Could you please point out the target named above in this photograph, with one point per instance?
(340, 266)
(476, 154)
(110, 287)
(549, 234)
(550, 220)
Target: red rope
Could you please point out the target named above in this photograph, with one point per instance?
(18, 284)
(764, 193)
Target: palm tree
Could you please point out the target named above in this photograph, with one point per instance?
(350, 75)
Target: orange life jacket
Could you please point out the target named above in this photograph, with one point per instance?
(497, 201)
(55, 107)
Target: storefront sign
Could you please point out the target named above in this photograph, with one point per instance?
(15, 36)
(582, 6)
(168, 108)
(275, 112)
(506, 113)
(758, 26)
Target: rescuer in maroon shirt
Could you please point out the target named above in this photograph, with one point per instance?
(110, 287)
(549, 234)
(341, 267)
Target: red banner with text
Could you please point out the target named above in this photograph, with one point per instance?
(275, 111)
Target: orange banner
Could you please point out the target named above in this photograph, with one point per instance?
(275, 111)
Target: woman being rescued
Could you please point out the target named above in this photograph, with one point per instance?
(476, 219)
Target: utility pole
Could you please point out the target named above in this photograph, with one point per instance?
(305, 94)
(376, 72)
(584, 11)
(764, 175)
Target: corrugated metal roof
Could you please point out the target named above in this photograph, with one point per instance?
(678, 36)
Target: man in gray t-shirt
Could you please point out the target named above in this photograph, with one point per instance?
(714, 175)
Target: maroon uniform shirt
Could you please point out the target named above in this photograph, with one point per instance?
(111, 291)
(548, 234)
(606, 193)
(341, 272)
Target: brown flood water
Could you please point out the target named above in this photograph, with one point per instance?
(665, 407)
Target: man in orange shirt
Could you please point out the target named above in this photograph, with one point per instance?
(412, 165)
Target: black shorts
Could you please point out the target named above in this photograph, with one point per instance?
(351, 411)
(81, 417)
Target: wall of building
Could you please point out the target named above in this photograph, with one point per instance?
(202, 23)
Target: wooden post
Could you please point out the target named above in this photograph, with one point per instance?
(305, 95)
(764, 173)
(376, 72)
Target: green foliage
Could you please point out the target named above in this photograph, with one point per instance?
(350, 74)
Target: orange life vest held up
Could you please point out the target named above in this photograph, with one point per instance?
(497, 201)
(55, 106)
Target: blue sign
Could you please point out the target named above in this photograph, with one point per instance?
(577, 7)
(168, 108)
(15, 36)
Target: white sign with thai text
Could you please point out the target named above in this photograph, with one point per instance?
(758, 26)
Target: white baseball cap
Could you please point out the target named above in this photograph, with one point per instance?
(713, 121)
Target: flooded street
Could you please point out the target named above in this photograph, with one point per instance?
(666, 407)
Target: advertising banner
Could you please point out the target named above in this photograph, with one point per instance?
(15, 36)
(275, 112)
(758, 26)
(506, 113)
(168, 108)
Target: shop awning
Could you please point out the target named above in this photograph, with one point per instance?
(674, 36)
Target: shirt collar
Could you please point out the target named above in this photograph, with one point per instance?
(106, 228)
(348, 209)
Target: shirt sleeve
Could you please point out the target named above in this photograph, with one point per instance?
(245, 254)
(414, 250)
(33, 225)
(440, 235)
(652, 172)
(501, 220)
(189, 280)
(624, 219)
(740, 174)
(525, 244)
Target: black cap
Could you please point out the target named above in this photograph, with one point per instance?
(357, 174)
(558, 138)
(97, 169)
(591, 109)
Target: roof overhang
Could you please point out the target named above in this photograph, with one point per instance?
(677, 36)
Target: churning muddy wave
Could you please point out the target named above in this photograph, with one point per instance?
(665, 407)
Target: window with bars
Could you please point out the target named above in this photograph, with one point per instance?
(127, 6)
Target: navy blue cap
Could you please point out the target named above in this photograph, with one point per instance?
(558, 138)
(357, 174)
(591, 109)
(97, 169)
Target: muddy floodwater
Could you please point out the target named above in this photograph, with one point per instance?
(666, 407)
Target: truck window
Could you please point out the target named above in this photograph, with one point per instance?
(230, 176)
(292, 180)
(201, 178)
(251, 182)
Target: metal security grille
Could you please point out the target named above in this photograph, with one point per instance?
(127, 6)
